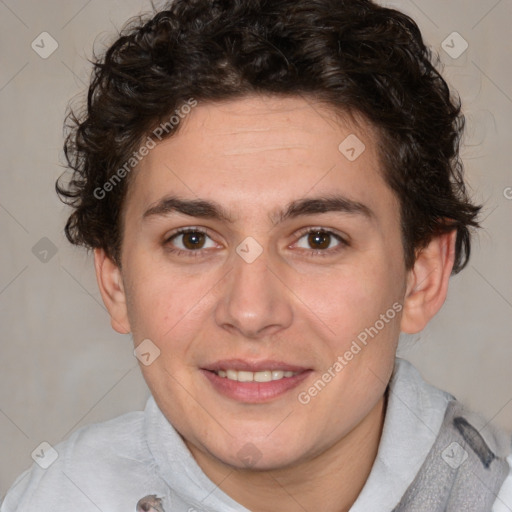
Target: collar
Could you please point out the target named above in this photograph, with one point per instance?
(414, 414)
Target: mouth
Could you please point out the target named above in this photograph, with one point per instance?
(263, 376)
(254, 382)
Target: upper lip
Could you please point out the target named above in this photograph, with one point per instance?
(253, 366)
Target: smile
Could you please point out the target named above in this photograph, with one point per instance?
(262, 376)
(254, 382)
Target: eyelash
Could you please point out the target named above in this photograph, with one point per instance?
(323, 252)
(181, 252)
(306, 231)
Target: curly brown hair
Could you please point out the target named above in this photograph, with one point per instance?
(354, 55)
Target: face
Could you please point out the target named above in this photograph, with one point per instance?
(266, 265)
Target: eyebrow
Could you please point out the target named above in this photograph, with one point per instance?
(211, 210)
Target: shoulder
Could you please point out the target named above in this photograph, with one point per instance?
(472, 450)
(503, 501)
(81, 470)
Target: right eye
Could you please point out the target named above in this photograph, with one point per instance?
(189, 240)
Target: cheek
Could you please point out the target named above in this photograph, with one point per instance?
(160, 302)
(351, 298)
(357, 316)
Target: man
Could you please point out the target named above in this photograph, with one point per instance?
(273, 193)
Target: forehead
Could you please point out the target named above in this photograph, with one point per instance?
(262, 151)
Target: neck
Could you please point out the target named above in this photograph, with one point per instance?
(330, 482)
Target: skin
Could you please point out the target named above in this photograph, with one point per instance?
(296, 302)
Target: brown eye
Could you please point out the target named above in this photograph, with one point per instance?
(193, 240)
(190, 240)
(319, 240)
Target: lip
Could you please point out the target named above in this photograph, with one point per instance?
(254, 392)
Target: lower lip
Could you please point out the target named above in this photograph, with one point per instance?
(254, 392)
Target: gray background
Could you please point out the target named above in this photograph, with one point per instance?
(62, 366)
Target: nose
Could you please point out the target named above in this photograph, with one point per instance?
(254, 301)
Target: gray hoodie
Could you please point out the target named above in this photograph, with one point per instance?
(139, 462)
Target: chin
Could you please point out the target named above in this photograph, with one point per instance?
(258, 453)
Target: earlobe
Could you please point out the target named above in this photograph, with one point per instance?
(111, 287)
(427, 282)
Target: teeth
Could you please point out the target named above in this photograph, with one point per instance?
(264, 376)
(245, 376)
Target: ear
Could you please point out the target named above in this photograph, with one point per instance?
(427, 282)
(111, 287)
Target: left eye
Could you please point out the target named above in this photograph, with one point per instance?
(192, 240)
(318, 239)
